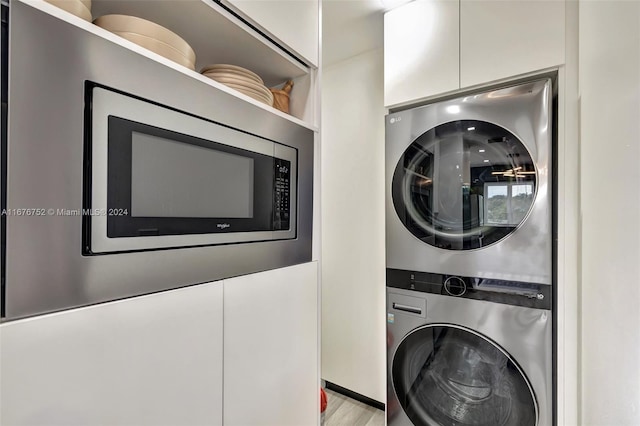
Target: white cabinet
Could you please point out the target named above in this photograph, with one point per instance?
(168, 358)
(150, 360)
(437, 46)
(499, 39)
(271, 348)
(294, 24)
(421, 42)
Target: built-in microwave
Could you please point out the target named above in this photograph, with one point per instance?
(157, 178)
(123, 176)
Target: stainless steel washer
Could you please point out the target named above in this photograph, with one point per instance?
(469, 260)
(468, 185)
(482, 358)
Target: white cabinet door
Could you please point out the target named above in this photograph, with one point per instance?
(353, 286)
(271, 348)
(504, 38)
(421, 56)
(150, 360)
(293, 23)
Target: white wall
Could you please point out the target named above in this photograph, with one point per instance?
(610, 190)
(353, 262)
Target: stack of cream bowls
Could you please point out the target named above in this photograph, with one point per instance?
(80, 8)
(151, 36)
(240, 79)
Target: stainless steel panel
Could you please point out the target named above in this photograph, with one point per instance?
(50, 60)
(524, 255)
(523, 333)
(4, 32)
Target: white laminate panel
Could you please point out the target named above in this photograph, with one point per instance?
(568, 226)
(353, 261)
(271, 348)
(294, 23)
(150, 360)
(421, 41)
(504, 38)
(609, 71)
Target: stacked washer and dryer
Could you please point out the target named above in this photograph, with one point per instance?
(469, 231)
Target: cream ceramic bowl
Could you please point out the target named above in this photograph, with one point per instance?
(246, 86)
(240, 82)
(253, 95)
(240, 78)
(232, 69)
(157, 46)
(148, 29)
(75, 7)
(256, 95)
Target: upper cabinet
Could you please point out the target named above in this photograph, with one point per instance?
(293, 24)
(421, 58)
(499, 39)
(437, 46)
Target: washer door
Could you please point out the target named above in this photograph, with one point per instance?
(464, 185)
(449, 375)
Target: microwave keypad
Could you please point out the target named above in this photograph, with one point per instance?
(281, 218)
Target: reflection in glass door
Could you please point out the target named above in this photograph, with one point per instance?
(507, 203)
(446, 375)
(464, 185)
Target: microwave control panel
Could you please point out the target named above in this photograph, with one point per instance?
(281, 194)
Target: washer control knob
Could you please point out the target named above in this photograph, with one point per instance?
(455, 286)
(538, 296)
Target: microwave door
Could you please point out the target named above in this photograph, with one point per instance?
(164, 183)
(191, 183)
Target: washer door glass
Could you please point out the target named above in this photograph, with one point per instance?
(464, 185)
(448, 375)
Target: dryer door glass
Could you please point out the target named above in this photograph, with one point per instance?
(449, 375)
(464, 185)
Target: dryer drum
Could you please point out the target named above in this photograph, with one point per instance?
(446, 376)
(464, 185)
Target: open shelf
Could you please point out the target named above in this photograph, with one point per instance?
(216, 36)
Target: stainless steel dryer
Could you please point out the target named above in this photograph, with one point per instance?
(481, 358)
(468, 185)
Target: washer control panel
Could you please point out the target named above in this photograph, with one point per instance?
(519, 293)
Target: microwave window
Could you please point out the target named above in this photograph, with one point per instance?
(176, 179)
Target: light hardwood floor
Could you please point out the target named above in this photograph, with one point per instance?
(344, 411)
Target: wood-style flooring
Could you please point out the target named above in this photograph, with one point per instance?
(344, 411)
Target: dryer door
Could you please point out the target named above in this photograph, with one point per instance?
(449, 375)
(464, 185)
